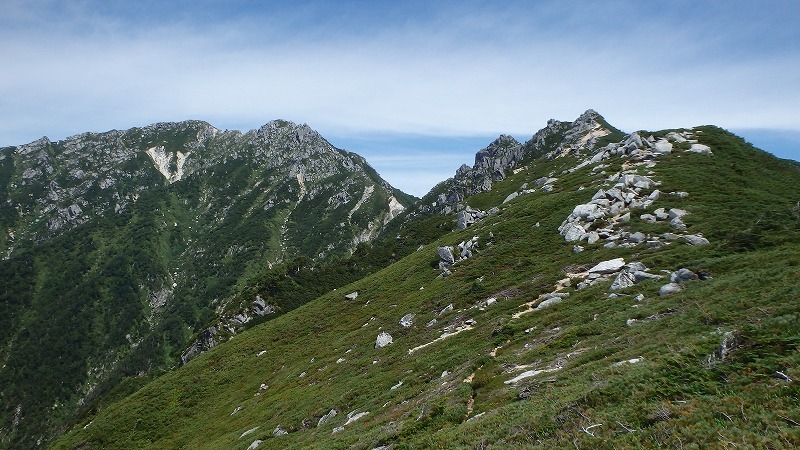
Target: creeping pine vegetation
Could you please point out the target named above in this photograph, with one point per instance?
(545, 323)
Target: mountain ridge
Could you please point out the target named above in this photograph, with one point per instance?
(505, 154)
(627, 328)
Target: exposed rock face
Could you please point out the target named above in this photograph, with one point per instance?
(551, 300)
(204, 342)
(700, 148)
(467, 248)
(446, 256)
(353, 416)
(395, 208)
(469, 216)
(495, 162)
(636, 181)
(663, 147)
(445, 310)
(261, 308)
(230, 323)
(610, 208)
(695, 239)
(164, 162)
(490, 166)
(682, 275)
(612, 205)
(572, 231)
(500, 155)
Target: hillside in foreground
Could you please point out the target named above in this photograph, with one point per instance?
(639, 293)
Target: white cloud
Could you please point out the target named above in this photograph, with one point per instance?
(459, 72)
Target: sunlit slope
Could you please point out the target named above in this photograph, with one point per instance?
(713, 364)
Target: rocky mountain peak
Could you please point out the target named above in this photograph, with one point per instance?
(284, 129)
(34, 146)
(505, 155)
(187, 133)
(504, 152)
(584, 129)
(503, 141)
(198, 260)
(588, 116)
(490, 166)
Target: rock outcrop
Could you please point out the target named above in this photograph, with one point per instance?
(383, 340)
(330, 415)
(505, 155)
(447, 256)
(407, 320)
(610, 208)
(676, 280)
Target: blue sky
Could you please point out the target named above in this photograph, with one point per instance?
(416, 87)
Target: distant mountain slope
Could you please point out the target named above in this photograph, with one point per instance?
(638, 293)
(120, 247)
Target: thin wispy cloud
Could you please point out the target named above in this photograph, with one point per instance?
(431, 68)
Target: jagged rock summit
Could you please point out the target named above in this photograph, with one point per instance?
(505, 156)
(56, 186)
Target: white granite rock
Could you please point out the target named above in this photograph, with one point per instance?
(608, 267)
(383, 340)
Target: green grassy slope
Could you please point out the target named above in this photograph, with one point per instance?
(716, 364)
